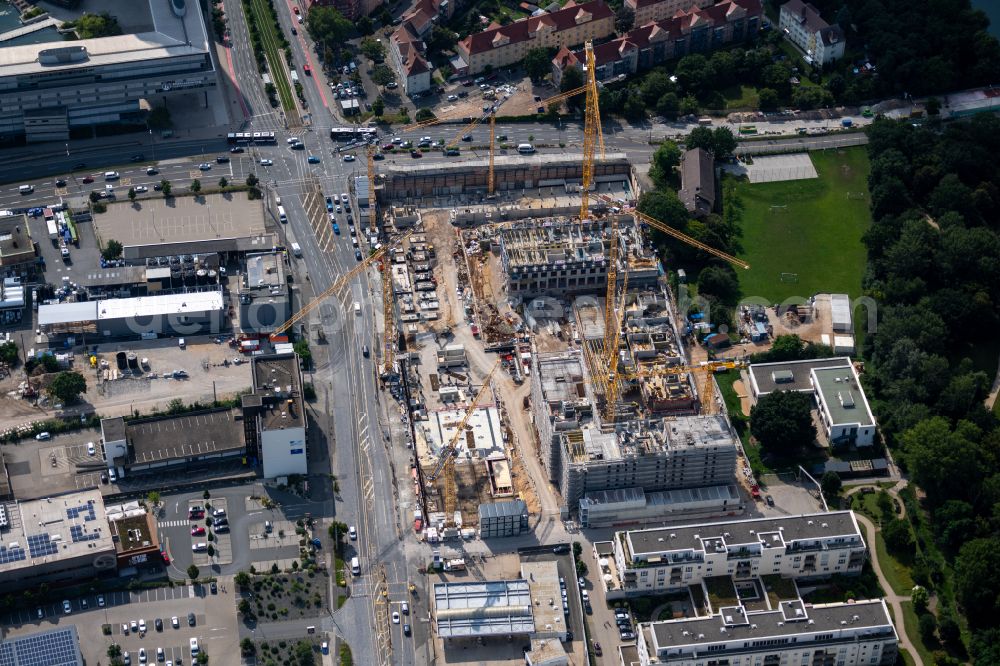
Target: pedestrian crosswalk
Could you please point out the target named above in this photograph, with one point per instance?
(173, 523)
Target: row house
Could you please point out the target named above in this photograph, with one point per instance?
(648, 11)
(500, 46)
(694, 31)
(660, 560)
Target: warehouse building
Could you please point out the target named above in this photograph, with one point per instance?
(847, 634)
(274, 417)
(809, 546)
(48, 90)
(56, 539)
(189, 313)
(635, 506)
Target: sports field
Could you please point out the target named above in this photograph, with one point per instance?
(803, 237)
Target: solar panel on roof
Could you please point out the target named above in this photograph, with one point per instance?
(78, 535)
(8, 555)
(40, 545)
(85, 510)
(51, 648)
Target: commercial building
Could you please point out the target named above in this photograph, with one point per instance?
(802, 24)
(562, 257)
(674, 34)
(193, 441)
(49, 90)
(634, 506)
(847, 634)
(648, 11)
(136, 539)
(264, 300)
(843, 407)
(54, 647)
(806, 546)
(56, 539)
(503, 519)
(697, 191)
(17, 249)
(499, 46)
(274, 415)
(482, 610)
(406, 53)
(188, 313)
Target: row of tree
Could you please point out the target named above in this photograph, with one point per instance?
(934, 269)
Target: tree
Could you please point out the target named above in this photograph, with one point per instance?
(153, 497)
(719, 282)
(663, 205)
(378, 107)
(114, 650)
(131, 194)
(245, 608)
(831, 484)
(723, 142)
(223, 183)
(252, 180)
(373, 49)
(9, 353)
(242, 578)
(928, 625)
(364, 25)
(898, 536)
(933, 106)
(328, 26)
(920, 598)
(424, 113)
(301, 348)
(94, 197)
(767, 99)
(90, 26)
(700, 137)
(247, 646)
(945, 462)
(949, 631)
(782, 421)
(196, 186)
(67, 386)
(303, 654)
(165, 187)
(112, 250)
(654, 86)
(665, 160)
(572, 79)
(537, 63)
(193, 572)
(668, 106)
(159, 119)
(382, 75)
(624, 20)
(977, 580)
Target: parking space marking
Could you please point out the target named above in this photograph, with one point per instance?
(194, 174)
(126, 181)
(61, 192)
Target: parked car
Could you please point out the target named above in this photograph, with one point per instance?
(67, 607)
(205, 166)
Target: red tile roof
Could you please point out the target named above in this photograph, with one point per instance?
(520, 31)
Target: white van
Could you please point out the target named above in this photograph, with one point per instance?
(110, 175)
(281, 214)
(296, 249)
(355, 566)
(357, 308)
(26, 189)
(525, 148)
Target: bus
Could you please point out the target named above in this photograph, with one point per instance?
(355, 133)
(243, 138)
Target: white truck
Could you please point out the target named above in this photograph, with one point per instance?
(53, 228)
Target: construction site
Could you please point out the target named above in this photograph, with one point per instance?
(528, 318)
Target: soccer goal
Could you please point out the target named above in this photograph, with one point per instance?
(779, 209)
(789, 277)
(855, 195)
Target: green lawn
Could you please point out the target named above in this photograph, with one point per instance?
(741, 97)
(912, 626)
(816, 237)
(896, 573)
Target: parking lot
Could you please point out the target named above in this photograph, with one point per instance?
(790, 497)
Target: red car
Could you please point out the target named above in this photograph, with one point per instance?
(388, 146)
(307, 69)
(198, 531)
(195, 515)
(163, 554)
(88, 179)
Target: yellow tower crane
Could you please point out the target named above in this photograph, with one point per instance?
(446, 459)
(701, 372)
(592, 134)
(493, 146)
(336, 286)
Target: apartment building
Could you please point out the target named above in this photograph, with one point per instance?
(47, 90)
(806, 546)
(648, 11)
(802, 24)
(697, 30)
(499, 46)
(406, 53)
(845, 634)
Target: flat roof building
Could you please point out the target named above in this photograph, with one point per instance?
(851, 634)
(16, 246)
(193, 440)
(55, 647)
(134, 532)
(188, 313)
(634, 506)
(56, 539)
(264, 299)
(47, 89)
(274, 415)
(806, 546)
(834, 383)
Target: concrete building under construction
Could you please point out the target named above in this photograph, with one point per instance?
(511, 174)
(559, 257)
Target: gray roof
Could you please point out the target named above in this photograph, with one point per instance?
(113, 429)
(737, 532)
(762, 375)
(697, 191)
(863, 616)
(55, 647)
(488, 608)
(842, 396)
(191, 435)
(67, 313)
(809, 15)
(502, 509)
